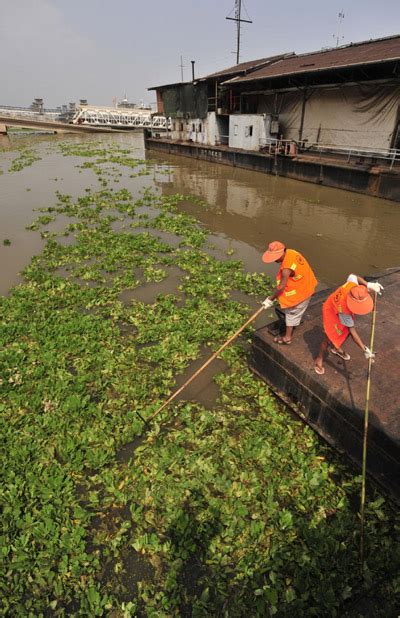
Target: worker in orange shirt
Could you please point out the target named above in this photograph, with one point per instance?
(296, 284)
(338, 317)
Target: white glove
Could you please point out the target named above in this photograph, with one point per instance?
(367, 353)
(267, 303)
(375, 286)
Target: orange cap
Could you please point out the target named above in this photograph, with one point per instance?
(359, 301)
(275, 250)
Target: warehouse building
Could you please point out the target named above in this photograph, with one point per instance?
(343, 98)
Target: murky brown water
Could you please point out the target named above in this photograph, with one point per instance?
(339, 231)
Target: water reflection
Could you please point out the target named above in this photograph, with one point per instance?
(337, 230)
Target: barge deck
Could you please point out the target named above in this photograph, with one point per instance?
(333, 404)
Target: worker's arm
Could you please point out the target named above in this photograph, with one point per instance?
(282, 284)
(356, 338)
(373, 286)
(361, 281)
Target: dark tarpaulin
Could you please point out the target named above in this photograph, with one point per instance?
(186, 101)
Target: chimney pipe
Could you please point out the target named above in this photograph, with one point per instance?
(192, 61)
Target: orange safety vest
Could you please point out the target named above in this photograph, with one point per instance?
(335, 304)
(301, 284)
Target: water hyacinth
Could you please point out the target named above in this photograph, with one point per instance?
(228, 510)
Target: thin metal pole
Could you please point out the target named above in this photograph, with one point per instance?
(365, 441)
(238, 20)
(238, 11)
(236, 334)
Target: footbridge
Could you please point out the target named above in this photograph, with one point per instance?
(44, 124)
(120, 118)
(85, 119)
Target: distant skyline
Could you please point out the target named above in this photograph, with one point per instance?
(65, 50)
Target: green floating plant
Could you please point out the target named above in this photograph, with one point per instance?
(230, 510)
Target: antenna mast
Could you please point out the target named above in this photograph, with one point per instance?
(182, 67)
(238, 19)
(337, 36)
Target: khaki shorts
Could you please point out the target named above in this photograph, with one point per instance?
(294, 314)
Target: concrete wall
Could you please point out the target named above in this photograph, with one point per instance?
(247, 131)
(197, 130)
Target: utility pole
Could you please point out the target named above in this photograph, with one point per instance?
(238, 19)
(182, 67)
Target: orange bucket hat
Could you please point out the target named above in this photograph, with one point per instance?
(275, 250)
(359, 301)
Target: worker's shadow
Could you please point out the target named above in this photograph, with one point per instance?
(313, 338)
(193, 529)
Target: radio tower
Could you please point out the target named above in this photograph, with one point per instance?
(238, 19)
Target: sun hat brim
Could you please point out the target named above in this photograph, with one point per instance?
(360, 307)
(272, 256)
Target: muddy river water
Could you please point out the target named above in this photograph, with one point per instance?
(338, 231)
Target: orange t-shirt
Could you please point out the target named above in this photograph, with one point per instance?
(301, 283)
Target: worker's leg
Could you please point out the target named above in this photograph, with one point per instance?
(319, 361)
(281, 317)
(293, 316)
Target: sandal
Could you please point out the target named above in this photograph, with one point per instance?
(319, 370)
(344, 355)
(282, 340)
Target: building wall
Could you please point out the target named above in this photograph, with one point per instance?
(160, 103)
(193, 130)
(359, 116)
(198, 130)
(247, 131)
(352, 116)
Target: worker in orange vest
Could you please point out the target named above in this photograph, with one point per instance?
(338, 317)
(296, 284)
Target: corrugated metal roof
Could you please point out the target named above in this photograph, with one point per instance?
(237, 69)
(365, 52)
(171, 85)
(251, 65)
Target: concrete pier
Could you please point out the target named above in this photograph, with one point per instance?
(333, 404)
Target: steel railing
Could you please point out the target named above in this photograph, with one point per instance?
(391, 156)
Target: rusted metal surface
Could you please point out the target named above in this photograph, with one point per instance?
(377, 182)
(333, 404)
(363, 53)
(237, 69)
(246, 67)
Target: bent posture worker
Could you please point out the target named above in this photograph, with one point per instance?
(338, 317)
(296, 284)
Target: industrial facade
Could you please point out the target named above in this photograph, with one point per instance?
(347, 97)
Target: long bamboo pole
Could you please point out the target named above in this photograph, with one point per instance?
(236, 334)
(365, 441)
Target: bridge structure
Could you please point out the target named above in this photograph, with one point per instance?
(86, 119)
(121, 118)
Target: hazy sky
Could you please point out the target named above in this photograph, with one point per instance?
(64, 50)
